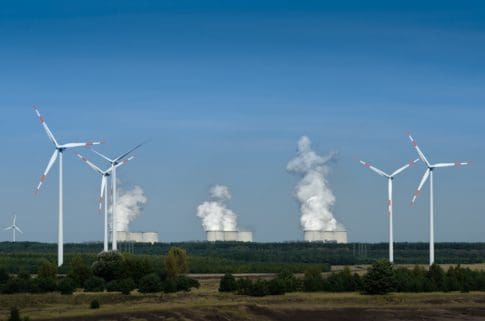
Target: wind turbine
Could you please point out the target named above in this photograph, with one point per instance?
(429, 174)
(58, 153)
(390, 204)
(104, 191)
(114, 162)
(14, 228)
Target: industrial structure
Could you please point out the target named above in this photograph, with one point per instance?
(237, 236)
(138, 237)
(339, 236)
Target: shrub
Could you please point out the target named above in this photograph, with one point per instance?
(47, 270)
(169, 286)
(66, 286)
(94, 284)
(291, 283)
(150, 283)
(80, 271)
(46, 284)
(259, 288)
(110, 266)
(244, 286)
(14, 314)
(313, 280)
(4, 276)
(379, 278)
(11, 286)
(125, 286)
(276, 287)
(94, 304)
(176, 262)
(227, 283)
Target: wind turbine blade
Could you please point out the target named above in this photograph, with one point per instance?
(94, 167)
(14, 219)
(46, 128)
(123, 162)
(423, 181)
(439, 165)
(19, 230)
(86, 144)
(418, 150)
(46, 172)
(7, 228)
(378, 171)
(102, 156)
(129, 152)
(400, 170)
(103, 187)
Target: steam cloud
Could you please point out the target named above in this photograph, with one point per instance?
(214, 213)
(312, 192)
(129, 206)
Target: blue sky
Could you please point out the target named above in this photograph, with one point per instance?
(225, 89)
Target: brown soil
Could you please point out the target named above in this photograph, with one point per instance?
(260, 313)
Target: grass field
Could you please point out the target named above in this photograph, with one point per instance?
(207, 304)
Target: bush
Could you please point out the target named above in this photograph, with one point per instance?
(259, 288)
(169, 286)
(150, 283)
(94, 284)
(125, 286)
(291, 283)
(227, 283)
(94, 304)
(47, 270)
(379, 278)
(66, 286)
(14, 314)
(80, 271)
(110, 266)
(176, 262)
(46, 284)
(276, 287)
(4, 276)
(11, 286)
(312, 281)
(244, 286)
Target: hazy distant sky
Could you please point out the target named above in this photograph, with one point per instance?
(224, 89)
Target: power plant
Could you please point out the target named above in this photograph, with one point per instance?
(138, 237)
(338, 236)
(236, 236)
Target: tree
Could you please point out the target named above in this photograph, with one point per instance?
(47, 270)
(259, 288)
(313, 280)
(66, 286)
(276, 287)
(4, 276)
(110, 266)
(80, 271)
(14, 314)
(379, 278)
(94, 284)
(437, 277)
(150, 283)
(176, 262)
(125, 286)
(227, 283)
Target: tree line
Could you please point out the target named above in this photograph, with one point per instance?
(381, 278)
(110, 271)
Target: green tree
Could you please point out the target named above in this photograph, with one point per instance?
(47, 270)
(227, 283)
(66, 286)
(110, 266)
(150, 283)
(176, 262)
(80, 271)
(313, 280)
(94, 284)
(4, 276)
(379, 278)
(437, 277)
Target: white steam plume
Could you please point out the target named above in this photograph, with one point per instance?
(214, 213)
(129, 205)
(312, 192)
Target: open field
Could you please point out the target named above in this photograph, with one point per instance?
(207, 304)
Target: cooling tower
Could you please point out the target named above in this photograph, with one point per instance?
(137, 237)
(239, 236)
(326, 236)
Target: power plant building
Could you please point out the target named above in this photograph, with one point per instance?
(137, 237)
(339, 236)
(235, 236)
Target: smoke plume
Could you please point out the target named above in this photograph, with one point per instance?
(312, 192)
(129, 206)
(214, 213)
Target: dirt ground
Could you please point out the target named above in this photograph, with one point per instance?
(268, 314)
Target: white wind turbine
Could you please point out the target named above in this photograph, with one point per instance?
(104, 191)
(114, 163)
(58, 153)
(390, 204)
(429, 174)
(14, 228)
